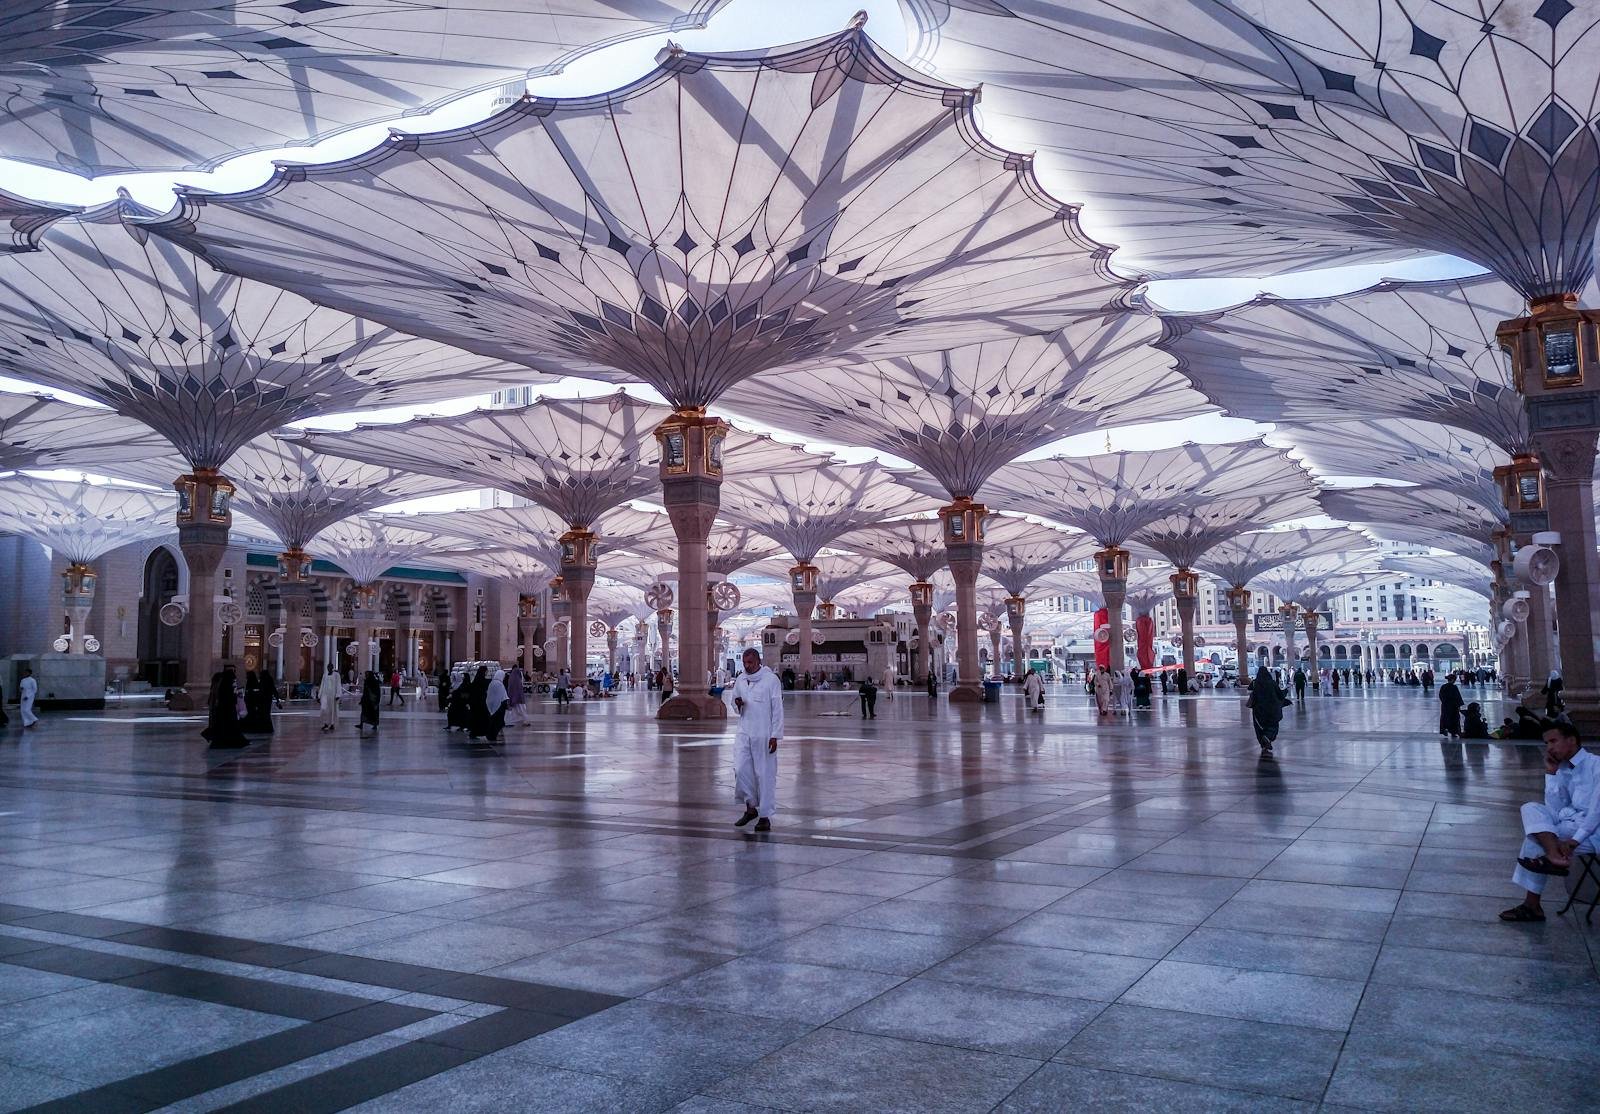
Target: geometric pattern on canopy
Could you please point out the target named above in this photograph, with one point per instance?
(839, 572)
(22, 220)
(1461, 572)
(39, 432)
(1416, 507)
(915, 546)
(1239, 560)
(1184, 536)
(807, 509)
(1017, 552)
(1422, 351)
(721, 216)
(1081, 584)
(97, 86)
(80, 520)
(523, 571)
(1254, 138)
(207, 360)
(297, 492)
(1149, 586)
(577, 457)
(611, 603)
(1481, 550)
(1423, 453)
(1310, 581)
(641, 572)
(959, 414)
(366, 546)
(536, 530)
(1112, 495)
(728, 549)
(865, 600)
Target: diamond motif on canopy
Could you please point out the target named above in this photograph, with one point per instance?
(96, 86)
(80, 520)
(524, 571)
(728, 549)
(1421, 351)
(1186, 535)
(914, 545)
(1111, 496)
(1220, 137)
(577, 457)
(1311, 581)
(297, 492)
(806, 509)
(1417, 508)
(1017, 552)
(38, 432)
(1149, 586)
(836, 572)
(367, 546)
(959, 414)
(1423, 453)
(1238, 561)
(208, 360)
(837, 201)
(535, 529)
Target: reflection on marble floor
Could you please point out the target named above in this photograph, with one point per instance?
(958, 910)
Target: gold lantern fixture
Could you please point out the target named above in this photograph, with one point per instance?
(1553, 348)
(1112, 563)
(1521, 484)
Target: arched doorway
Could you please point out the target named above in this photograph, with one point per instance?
(160, 646)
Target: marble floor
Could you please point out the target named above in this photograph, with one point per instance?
(958, 910)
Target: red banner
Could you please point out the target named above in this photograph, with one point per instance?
(1102, 641)
(1144, 631)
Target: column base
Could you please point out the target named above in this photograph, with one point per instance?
(1583, 709)
(687, 707)
(966, 694)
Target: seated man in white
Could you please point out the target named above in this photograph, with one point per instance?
(1563, 825)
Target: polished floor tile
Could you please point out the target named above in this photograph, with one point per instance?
(959, 909)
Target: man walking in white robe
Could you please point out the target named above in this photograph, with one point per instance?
(758, 699)
(328, 699)
(27, 692)
(1033, 691)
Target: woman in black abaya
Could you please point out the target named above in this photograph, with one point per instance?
(1266, 709)
(222, 713)
(371, 695)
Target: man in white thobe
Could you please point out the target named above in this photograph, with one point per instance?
(1033, 692)
(27, 692)
(1560, 826)
(758, 699)
(328, 698)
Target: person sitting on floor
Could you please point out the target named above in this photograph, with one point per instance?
(1474, 726)
(1560, 826)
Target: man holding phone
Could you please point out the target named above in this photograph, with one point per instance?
(758, 698)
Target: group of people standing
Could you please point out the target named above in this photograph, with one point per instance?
(235, 711)
(1114, 691)
(481, 705)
